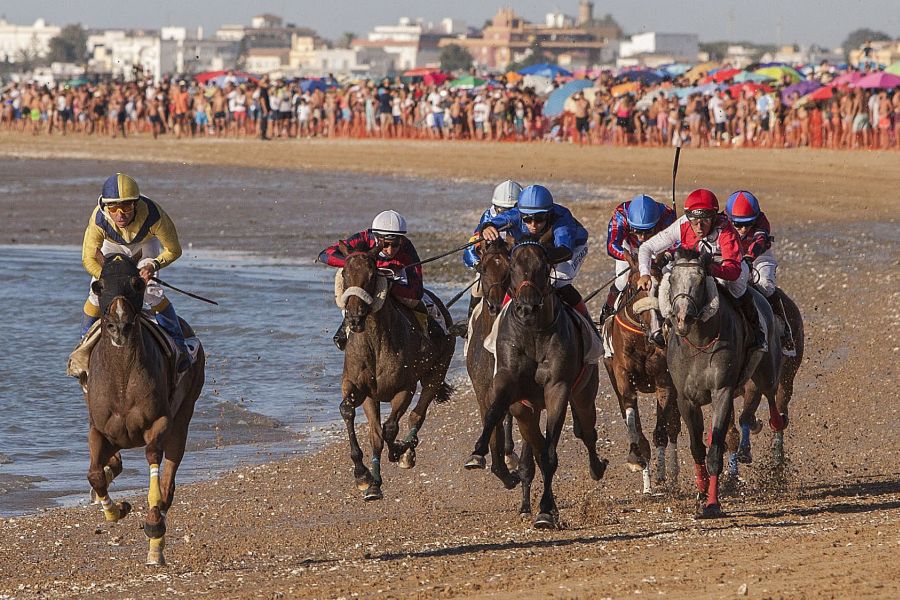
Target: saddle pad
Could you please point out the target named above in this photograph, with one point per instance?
(473, 318)
(490, 342)
(606, 332)
(591, 342)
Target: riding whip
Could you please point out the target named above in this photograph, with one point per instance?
(180, 291)
(674, 175)
(460, 294)
(449, 252)
(590, 296)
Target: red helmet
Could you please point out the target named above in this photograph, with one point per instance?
(701, 203)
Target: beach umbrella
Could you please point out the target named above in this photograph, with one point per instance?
(847, 78)
(894, 69)
(699, 70)
(746, 76)
(545, 70)
(647, 77)
(624, 88)
(739, 88)
(686, 91)
(590, 94)
(801, 89)
(218, 77)
(469, 82)
(778, 72)
(823, 93)
(540, 84)
(77, 82)
(675, 70)
(513, 77)
(723, 75)
(310, 85)
(878, 81)
(557, 99)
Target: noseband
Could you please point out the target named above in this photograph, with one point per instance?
(695, 309)
(527, 282)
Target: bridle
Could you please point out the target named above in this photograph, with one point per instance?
(695, 310)
(528, 282)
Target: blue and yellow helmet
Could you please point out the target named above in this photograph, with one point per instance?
(119, 188)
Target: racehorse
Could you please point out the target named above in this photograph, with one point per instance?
(493, 271)
(386, 356)
(709, 363)
(540, 364)
(134, 399)
(740, 452)
(640, 366)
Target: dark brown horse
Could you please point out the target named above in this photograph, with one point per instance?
(133, 399)
(386, 357)
(639, 366)
(493, 271)
(739, 444)
(540, 364)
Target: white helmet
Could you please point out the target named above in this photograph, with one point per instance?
(506, 194)
(388, 223)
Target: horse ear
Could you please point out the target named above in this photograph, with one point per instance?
(343, 249)
(546, 237)
(138, 285)
(97, 287)
(558, 255)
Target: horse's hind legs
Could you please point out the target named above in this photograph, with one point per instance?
(102, 453)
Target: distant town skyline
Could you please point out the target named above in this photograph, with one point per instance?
(823, 22)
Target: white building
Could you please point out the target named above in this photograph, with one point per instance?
(267, 61)
(413, 44)
(346, 62)
(18, 42)
(683, 47)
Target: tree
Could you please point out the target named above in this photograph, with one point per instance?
(858, 37)
(347, 39)
(69, 46)
(455, 58)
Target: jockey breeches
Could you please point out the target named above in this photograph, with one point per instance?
(154, 297)
(763, 275)
(565, 273)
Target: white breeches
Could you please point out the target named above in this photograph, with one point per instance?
(621, 280)
(565, 273)
(763, 275)
(737, 287)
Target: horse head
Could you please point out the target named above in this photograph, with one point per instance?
(493, 268)
(530, 269)
(689, 291)
(361, 282)
(121, 293)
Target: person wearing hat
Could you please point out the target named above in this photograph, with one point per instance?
(127, 222)
(704, 229)
(633, 222)
(504, 198)
(396, 252)
(535, 214)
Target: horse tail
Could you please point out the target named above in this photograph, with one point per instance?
(444, 393)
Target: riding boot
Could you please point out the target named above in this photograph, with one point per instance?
(787, 336)
(748, 307)
(86, 322)
(340, 336)
(473, 302)
(168, 320)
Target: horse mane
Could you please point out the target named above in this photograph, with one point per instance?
(703, 257)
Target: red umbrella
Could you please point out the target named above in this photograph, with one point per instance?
(739, 88)
(880, 80)
(823, 93)
(202, 78)
(725, 74)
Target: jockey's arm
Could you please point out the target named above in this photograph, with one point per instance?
(165, 232)
(663, 240)
(332, 255)
(470, 258)
(503, 220)
(90, 249)
(729, 268)
(615, 236)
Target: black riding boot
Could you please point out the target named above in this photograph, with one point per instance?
(473, 302)
(610, 307)
(340, 336)
(747, 306)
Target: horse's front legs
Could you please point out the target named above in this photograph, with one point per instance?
(723, 407)
(499, 397)
(348, 412)
(155, 523)
(102, 453)
(638, 446)
(693, 418)
(376, 439)
(556, 397)
(665, 434)
(391, 427)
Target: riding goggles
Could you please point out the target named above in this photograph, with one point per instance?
(119, 207)
(700, 213)
(389, 242)
(535, 218)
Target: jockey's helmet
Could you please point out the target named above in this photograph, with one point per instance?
(389, 223)
(535, 199)
(119, 188)
(643, 212)
(742, 207)
(701, 204)
(506, 194)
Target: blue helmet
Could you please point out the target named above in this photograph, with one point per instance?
(643, 212)
(742, 207)
(535, 199)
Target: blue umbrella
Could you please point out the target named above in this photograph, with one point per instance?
(647, 77)
(676, 69)
(801, 88)
(545, 70)
(308, 85)
(557, 98)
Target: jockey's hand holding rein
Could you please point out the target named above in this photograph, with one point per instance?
(147, 272)
(644, 283)
(490, 233)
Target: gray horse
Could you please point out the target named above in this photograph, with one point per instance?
(709, 363)
(134, 399)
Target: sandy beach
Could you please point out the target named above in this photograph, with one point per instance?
(829, 527)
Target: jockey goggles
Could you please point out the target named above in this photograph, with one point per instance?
(119, 207)
(700, 213)
(535, 218)
(744, 225)
(389, 241)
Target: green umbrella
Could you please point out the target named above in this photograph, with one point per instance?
(894, 69)
(77, 82)
(467, 83)
(778, 72)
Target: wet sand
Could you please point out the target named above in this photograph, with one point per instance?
(830, 527)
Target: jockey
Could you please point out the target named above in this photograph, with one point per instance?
(755, 236)
(124, 221)
(704, 228)
(389, 231)
(504, 198)
(535, 213)
(633, 222)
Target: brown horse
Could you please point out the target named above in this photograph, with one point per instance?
(739, 444)
(493, 270)
(540, 364)
(386, 357)
(639, 366)
(134, 399)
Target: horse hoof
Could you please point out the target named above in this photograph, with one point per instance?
(744, 456)
(599, 469)
(124, 508)
(510, 481)
(756, 427)
(712, 511)
(373, 492)
(512, 461)
(544, 521)
(634, 467)
(155, 558)
(475, 462)
(408, 460)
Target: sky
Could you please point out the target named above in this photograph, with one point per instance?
(823, 22)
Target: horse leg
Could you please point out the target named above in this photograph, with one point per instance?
(112, 470)
(532, 441)
(723, 409)
(584, 412)
(155, 523)
(556, 399)
(102, 453)
(693, 418)
(501, 447)
(391, 427)
(748, 421)
(500, 398)
(638, 446)
(432, 387)
(509, 453)
(360, 473)
(666, 397)
(376, 439)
